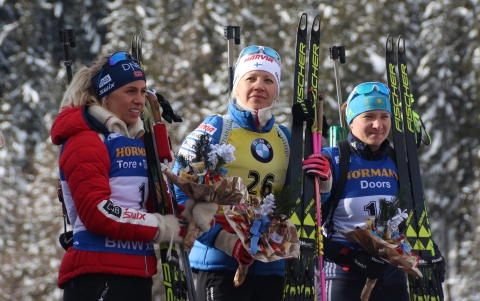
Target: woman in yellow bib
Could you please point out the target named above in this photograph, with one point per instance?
(261, 152)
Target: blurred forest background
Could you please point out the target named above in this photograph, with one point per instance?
(185, 53)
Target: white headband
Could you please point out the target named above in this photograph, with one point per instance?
(260, 62)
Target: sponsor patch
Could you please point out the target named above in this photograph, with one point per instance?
(105, 80)
(113, 136)
(137, 73)
(261, 150)
(112, 209)
(206, 128)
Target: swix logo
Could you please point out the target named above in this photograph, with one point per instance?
(306, 244)
(105, 80)
(209, 129)
(377, 260)
(112, 209)
(110, 86)
(360, 264)
(258, 57)
(134, 215)
(130, 66)
(137, 73)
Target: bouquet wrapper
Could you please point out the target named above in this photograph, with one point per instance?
(228, 191)
(290, 243)
(380, 248)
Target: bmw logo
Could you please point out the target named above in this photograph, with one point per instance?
(261, 150)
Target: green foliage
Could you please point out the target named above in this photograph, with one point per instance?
(286, 199)
(201, 149)
(388, 209)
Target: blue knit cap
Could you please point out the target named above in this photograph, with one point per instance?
(367, 97)
(120, 69)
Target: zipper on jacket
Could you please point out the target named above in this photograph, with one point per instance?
(146, 266)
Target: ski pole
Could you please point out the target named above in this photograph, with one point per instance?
(67, 38)
(317, 148)
(232, 34)
(337, 53)
(164, 154)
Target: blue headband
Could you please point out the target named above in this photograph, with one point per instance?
(116, 74)
(367, 97)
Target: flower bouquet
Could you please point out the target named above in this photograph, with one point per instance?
(264, 228)
(382, 238)
(203, 179)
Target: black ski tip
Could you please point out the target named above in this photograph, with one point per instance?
(302, 23)
(317, 21)
(137, 46)
(401, 45)
(389, 46)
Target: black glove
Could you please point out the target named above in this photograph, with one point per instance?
(167, 112)
(360, 261)
(66, 240)
(303, 111)
(440, 266)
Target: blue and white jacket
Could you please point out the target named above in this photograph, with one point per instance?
(257, 152)
(370, 177)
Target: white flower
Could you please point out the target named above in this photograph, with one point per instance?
(395, 221)
(225, 151)
(268, 205)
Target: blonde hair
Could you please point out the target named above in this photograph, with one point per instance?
(80, 92)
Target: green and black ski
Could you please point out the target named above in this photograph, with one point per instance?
(405, 139)
(300, 273)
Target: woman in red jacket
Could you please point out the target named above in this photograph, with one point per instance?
(103, 173)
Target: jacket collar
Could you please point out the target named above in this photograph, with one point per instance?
(246, 119)
(365, 152)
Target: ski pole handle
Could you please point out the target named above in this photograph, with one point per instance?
(337, 53)
(319, 121)
(232, 34)
(160, 131)
(67, 38)
(336, 133)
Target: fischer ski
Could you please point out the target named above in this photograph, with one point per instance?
(300, 273)
(406, 141)
(178, 283)
(292, 273)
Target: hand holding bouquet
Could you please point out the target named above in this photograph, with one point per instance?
(382, 238)
(203, 179)
(264, 228)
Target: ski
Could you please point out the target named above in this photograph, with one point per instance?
(292, 273)
(309, 233)
(300, 273)
(174, 278)
(404, 133)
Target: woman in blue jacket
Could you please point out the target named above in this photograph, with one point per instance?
(372, 175)
(262, 153)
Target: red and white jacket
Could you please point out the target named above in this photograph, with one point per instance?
(105, 185)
